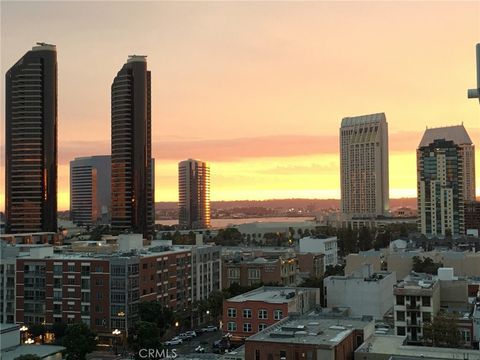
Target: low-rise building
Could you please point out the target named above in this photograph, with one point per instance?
(311, 264)
(33, 238)
(247, 272)
(246, 314)
(327, 246)
(365, 293)
(417, 301)
(390, 347)
(309, 337)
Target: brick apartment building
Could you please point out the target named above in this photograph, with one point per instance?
(246, 272)
(246, 314)
(309, 337)
(102, 291)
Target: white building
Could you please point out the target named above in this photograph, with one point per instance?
(326, 246)
(206, 271)
(417, 301)
(364, 166)
(364, 294)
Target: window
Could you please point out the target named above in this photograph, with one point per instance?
(400, 315)
(71, 281)
(234, 273)
(231, 312)
(261, 327)
(85, 270)
(400, 300)
(247, 313)
(254, 274)
(57, 269)
(425, 300)
(85, 283)
(257, 354)
(99, 282)
(85, 297)
(57, 282)
(57, 295)
(262, 314)
(278, 314)
(400, 330)
(247, 327)
(71, 268)
(427, 317)
(232, 326)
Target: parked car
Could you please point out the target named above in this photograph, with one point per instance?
(209, 328)
(185, 336)
(175, 341)
(191, 333)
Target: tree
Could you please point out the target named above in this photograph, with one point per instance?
(144, 335)
(155, 312)
(443, 331)
(334, 270)
(79, 341)
(28, 357)
(364, 239)
(427, 265)
(58, 329)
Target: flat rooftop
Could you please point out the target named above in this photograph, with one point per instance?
(311, 329)
(270, 294)
(40, 350)
(394, 345)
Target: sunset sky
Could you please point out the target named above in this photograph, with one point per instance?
(258, 89)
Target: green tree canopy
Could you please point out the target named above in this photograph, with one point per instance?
(155, 312)
(427, 265)
(144, 335)
(443, 331)
(79, 341)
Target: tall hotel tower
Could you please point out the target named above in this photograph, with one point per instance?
(90, 191)
(194, 194)
(364, 166)
(31, 142)
(132, 163)
(445, 179)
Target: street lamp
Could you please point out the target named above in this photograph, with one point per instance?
(29, 341)
(23, 331)
(115, 333)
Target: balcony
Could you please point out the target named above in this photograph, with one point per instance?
(415, 322)
(415, 307)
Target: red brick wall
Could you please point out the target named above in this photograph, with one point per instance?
(255, 306)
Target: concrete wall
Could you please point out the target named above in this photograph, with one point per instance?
(373, 298)
(355, 262)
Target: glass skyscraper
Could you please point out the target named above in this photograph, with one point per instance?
(31, 142)
(132, 163)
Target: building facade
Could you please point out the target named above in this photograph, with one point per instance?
(254, 311)
(327, 246)
(364, 166)
(472, 215)
(417, 301)
(445, 180)
(247, 272)
(309, 337)
(363, 293)
(132, 164)
(194, 194)
(206, 271)
(90, 191)
(31, 142)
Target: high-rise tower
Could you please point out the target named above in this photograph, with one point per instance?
(194, 194)
(445, 179)
(132, 164)
(31, 142)
(90, 191)
(364, 166)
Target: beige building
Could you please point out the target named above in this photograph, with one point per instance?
(464, 263)
(417, 301)
(364, 166)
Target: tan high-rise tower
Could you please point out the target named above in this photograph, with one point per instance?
(364, 166)
(194, 194)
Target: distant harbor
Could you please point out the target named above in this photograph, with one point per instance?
(222, 223)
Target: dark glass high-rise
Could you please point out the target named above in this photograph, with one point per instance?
(132, 163)
(31, 142)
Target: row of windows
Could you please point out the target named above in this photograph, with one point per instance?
(262, 313)
(247, 327)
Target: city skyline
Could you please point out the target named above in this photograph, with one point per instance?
(270, 105)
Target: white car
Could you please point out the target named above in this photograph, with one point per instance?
(210, 328)
(200, 349)
(175, 341)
